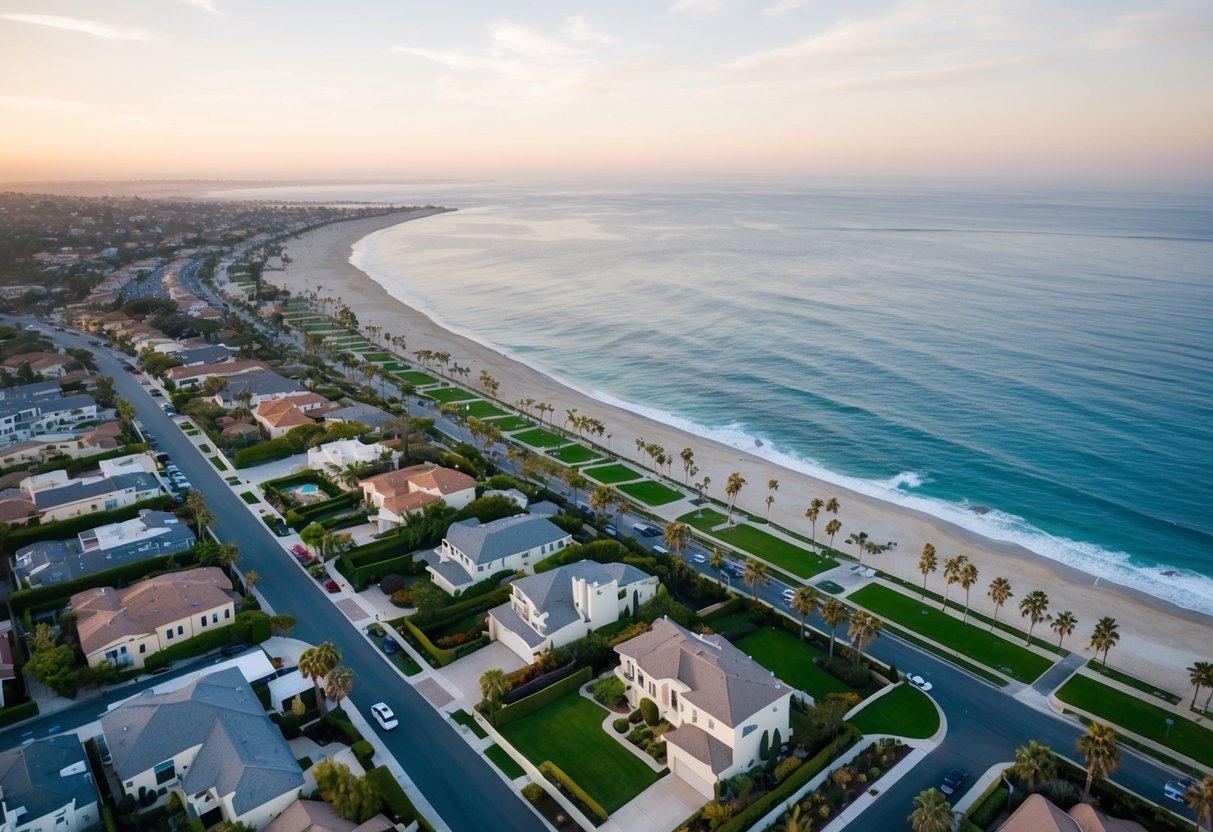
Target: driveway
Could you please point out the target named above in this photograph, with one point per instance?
(659, 808)
(465, 673)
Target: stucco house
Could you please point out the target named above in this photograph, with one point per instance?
(559, 606)
(85, 496)
(719, 700)
(46, 786)
(397, 494)
(346, 452)
(212, 743)
(125, 626)
(472, 551)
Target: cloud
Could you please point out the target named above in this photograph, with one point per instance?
(695, 6)
(578, 29)
(205, 5)
(87, 27)
(1171, 26)
(784, 6)
(930, 77)
(56, 105)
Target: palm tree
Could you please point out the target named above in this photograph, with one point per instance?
(228, 555)
(932, 812)
(338, 685)
(1035, 763)
(316, 663)
(1200, 798)
(833, 528)
(860, 541)
(792, 821)
(999, 592)
(1098, 748)
(755, 573)
(833, 613)
(928, 562)
(1200, 674)
(1034, 606)
(494, 684)
(602, 498)
(812, 513)
(864, 627)
(772, 486)
(1063, 625)
(804, 604)
(1105, 636)
(716, 561)
(966, 578)
(832, 505)
(251, 578)
(688, 462)
(195, 503)
(732, 488)
(676, 537)
(951, 574)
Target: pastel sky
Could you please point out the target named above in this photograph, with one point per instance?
(666, 89)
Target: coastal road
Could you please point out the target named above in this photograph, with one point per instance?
(439, 761)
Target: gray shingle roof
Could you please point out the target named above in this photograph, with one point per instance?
(369, 415)
(701, 745)
(513, 622)
(453, 572)
(486, 542)
(30, 392)
(204, 355)
(724, 682)
(30, 776)
(77, 490)
(242, 751)
(260, 383)
(552, 591)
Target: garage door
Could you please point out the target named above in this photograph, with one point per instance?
(680, 769)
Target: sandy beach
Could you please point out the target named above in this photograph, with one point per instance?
(1158, 640)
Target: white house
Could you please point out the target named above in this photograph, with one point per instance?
(559, 606)
(212, 743)
(397, 494)
(85, 496)
(46, 786)
(346, 452)
(25, 418)
(719, 700)
(472, 551)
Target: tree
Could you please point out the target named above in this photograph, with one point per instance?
(316, 663)
(1200, 674)
(755, 573)
(1063, 625)
(833, 612)
(251, 578)
(1034, 607)
(1035, 763)
(1199, 797)
(829, 712)
(716, 561)
(951, 575)
(229, 553)
(354, 798)
(316, 536)
(864, 627)
(812, 512)
(338, 684)
(772, 487)
(804, 604)
(966, 578)
(999, 592)
(688, 462)
(493, 685)
(676, 537)
(932, 812)
(55, 667)
(195, 503)
(860, 541)
(928, 562)
(732, 488)
(1098, 748)
(833, 528)
(281, 625)
(428, 599)
(1104, 637)
(103, 391)
(602, 498)
(716, 814)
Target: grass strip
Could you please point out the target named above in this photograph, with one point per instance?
(462, 717)
(650, 493)
(504, 761)
(249, 497)
(774, 550)
(538, 438)
(1133, 682)
(611, 474)
(903, 712)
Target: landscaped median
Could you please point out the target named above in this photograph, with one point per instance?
(904, 711)
(973, 642)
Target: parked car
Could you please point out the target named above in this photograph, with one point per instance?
(233, 649)
(299, 549)
(646, 530)
(1176, 789)
(331, 586)
(919, 682)
(384, 716)
(658, 549)
(953, 780)
(390, 646)
(610, 530)
(699, 557)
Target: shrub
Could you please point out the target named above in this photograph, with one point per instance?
(639, 735)
(635, 716)
(363, 752)
(983, 815)
(532, 792)
(608, 690)
(620, 725)
(855, 676)
(656, 750)
(649, 711)
(402, 598)
(391, 584)
(579, 796)
(1064, 793)
(785, 769)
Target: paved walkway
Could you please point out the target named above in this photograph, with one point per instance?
(659, 808)
(1058, 673)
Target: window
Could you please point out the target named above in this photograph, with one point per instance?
(227, 613)
(694, 716)
(711, 723)
(165, 772)
(180, 629)
(652, 689)
(749, 729)
(168, 634)
(673, 699)
(640, 680)
(142, 648)
(202, 621)
(214, 618)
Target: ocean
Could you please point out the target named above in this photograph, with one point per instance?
(1033, 366)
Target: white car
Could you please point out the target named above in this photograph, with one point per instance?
(699, 557)
(1177, 789)
(384, 716)
(919, 682)
(789, 593)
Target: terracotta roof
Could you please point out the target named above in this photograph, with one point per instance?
(15, 509)
(403, 503)
(428, 477)
(318, 816)
(1036, 814)
(282, 413)
(1092, 821)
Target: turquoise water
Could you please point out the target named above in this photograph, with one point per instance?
(1048, 356)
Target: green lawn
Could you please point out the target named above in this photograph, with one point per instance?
(1139, 716)
(510, 423)
(611, 474)
(650, 493)
(569, 733)
(976, 643)
(394, 366)
(249, 497)
(446, 395)
(504, 761)
(574, 454)
(538, 438)
(1133, 682)
(791, 660)
(417, 379)
(483, 410)
(376, 357)
(705, 520)
(903, 712)
(218, 463)
(462, 717)
(775, 551)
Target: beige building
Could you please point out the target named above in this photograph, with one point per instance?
(397, 494)
(125, 626)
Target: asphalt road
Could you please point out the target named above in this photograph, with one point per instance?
(438, 760)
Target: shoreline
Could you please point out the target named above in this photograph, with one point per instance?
(1159, 638)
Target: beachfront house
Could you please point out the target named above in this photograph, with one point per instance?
(721, 702)
(397, 494)
(473, 551)
(556, 607)
(212, 743)
(125, 626)
(46, 786)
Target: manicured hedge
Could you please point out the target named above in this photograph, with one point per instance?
(395, 799)
(588, 805)
(55, 596)
(302, 478)
(478, 603)
(17, 713)
(441, 656)
(252, 626)
(301, 516)
(363, 752)
(363, 575)
(374, 552)
(535, 685)
(72, 526)
(532, 703)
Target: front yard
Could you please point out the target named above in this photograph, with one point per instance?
(791, 660)
(569, 733)
(902, 712)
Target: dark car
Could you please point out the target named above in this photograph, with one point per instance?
(953, 780)
(390, 646)
(331, 586)
(233, 649)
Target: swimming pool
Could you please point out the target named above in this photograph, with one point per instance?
(308, 489)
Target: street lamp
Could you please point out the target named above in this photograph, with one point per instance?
(1169, 722)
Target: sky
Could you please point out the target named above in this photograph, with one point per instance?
(778, 90)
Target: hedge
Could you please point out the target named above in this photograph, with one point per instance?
(251, 626)
(301, 516)
(373, 552)
(580, 797)
(54, 596)
(487, 585)
(302, 478)
(363, 751)
(983, 811)
(107, 819)
(441, 656)
(782, 793)
(539, 683)
(395, 799)
(532, 703)
(345, 521)
(72, 526)
(361, 576)
(479, 603)
(17, 713)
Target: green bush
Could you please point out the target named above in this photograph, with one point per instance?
(363, 752)
(608, 690)
(481, 603)
(529, 704)
(395, 799)
(18, 713)
(855, 676)
(441, 657)
(379, 550)
(650, 712)
(589, 806)
(621, 725)
(635, 717)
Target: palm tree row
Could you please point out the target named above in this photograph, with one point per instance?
(322, 665)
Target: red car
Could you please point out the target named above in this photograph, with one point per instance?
(331, 586)
(299, 549)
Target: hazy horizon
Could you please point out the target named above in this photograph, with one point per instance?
(690, 90)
